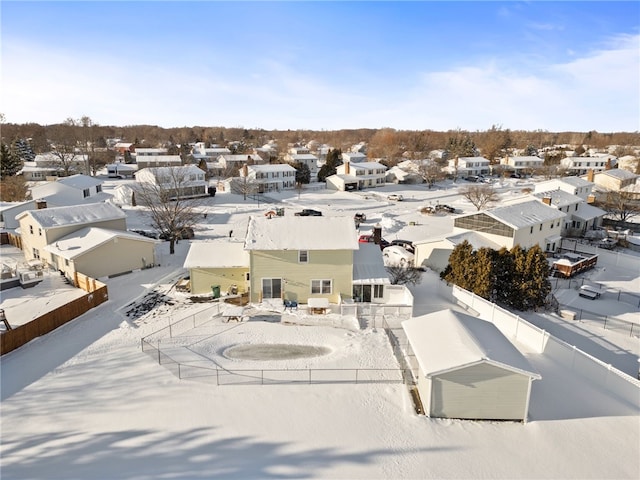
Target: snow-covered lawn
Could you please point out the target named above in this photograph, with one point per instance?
(85, 402)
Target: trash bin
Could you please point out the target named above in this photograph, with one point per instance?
(280, 211)
(215, 290)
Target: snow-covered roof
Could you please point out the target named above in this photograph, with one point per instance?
(559, 198)
(368, 166)
(446, 340)
(301, 233)
(368, 265)
(216, 255)
(576, 181)
(302, 156)
(80, 181)
(617, 173)
(272, 167)
(588, 212)
(86, 239)
(523, 214)
(476, 240)
(74, 214)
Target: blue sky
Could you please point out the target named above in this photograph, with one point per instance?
(545, 65)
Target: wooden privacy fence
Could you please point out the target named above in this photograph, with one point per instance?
(18, 336)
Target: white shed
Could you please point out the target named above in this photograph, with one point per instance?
(468, 369)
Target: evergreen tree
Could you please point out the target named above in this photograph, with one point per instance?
(303, 174)
(10, 164)
(504, 269)
(517, 297)
(22, 149)
(536, 282)
(333, 160)
(484, 273)
(461, 266)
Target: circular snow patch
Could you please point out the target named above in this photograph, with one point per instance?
(271, 351)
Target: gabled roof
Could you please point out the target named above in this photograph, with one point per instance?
(74, 215)
(272, 167)
(86, 239)
(523, 214)
(301, 233)
(618, 173)
(80, 181)
(559, 198)
(445, 341)
(575, 181)
(216, 255)
(588, 212)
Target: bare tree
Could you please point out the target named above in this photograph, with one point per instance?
(620, 206)
(243, 184)
(65, 146)
(171, 212)
(429, 171)
(14, 189)
(480, 196)
(404, 275)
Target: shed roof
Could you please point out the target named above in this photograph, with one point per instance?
(86, 239)
(523, 214)
(301, 233)
(74, 215)
(216, 255)
(446, 340)
(618, 173)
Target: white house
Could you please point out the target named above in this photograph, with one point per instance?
(580, 215)
(308, 159)
(468, 369)
(9, 211)
(354, 157)
(237, 161)
(270, 177)
(155, 161)
(527, 223)
(73, 190)
(581, 165)
(352, 176)
(468, 166)
(187, 181)
(522, 163)
(49, 165)
(573, 185)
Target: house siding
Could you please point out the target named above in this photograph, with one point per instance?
(202, 279)
(336, 265)
(480, 392)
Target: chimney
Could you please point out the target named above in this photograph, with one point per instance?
(608, 164)
(590, 175)
(546, 200)
(346, 168)
(41, 204)
(245, 170)
(377, 234)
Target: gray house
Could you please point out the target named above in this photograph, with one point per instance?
(468, 369)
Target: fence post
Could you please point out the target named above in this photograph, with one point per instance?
(605, 322)
(217, 376)
(170, 330)
(159, 363)
(179, 373)
(356, 376)
(309, 376)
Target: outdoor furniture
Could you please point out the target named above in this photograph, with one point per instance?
(290, 304)
(233, 314)
(318, 305)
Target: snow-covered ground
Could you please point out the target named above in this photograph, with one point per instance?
(84, 402)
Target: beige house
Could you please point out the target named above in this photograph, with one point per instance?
(297, 258)
(614, 180)
(527, 223)
(222, 264)
(466, 368)
(100, 252)
(39, 228)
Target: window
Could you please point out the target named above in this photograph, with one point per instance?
(303, 256)
(98, 188)
(531, 231)
(85, 192)
(36, 253)
(31, 229)
(378, 291)
(39, 231)
(540, 227)
(321, 286)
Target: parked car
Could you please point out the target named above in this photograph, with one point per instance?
(395, 197)
(360, 217)
(446, 208)
(308, 212)
(368, 238)
(395, 255)
(406, 244)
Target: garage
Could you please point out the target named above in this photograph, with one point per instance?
(468, 369)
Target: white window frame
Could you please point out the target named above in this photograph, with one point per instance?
(321, 286)
(303, 256)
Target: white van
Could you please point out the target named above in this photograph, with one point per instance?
(395, 255)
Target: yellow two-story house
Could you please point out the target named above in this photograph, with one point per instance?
(297, 258)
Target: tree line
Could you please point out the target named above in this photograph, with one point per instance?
(516, 278)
